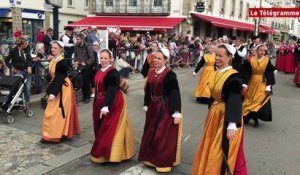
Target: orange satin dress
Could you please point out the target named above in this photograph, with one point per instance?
(202, 90)
(209, 156)
(256, 96)
(54, 125)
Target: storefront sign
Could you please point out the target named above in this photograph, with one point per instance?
(274, 12)
(143, 28)
(32, 14)
(40, 15)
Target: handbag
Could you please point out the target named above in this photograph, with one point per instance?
(123, 85)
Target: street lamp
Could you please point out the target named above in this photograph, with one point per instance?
(56, 5)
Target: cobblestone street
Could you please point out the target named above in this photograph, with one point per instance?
(21, 150)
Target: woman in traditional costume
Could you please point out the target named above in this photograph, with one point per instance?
(281, 55)
(114, 139)
(297, 74)
(289, 63)
(161, 142)
(258, 79)
(202, 92)
(61, 115)
(221, 147)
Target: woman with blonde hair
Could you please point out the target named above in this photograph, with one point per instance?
(258, 81)
(114, 139)
(61, 114)
(221, 147)
(202, 92)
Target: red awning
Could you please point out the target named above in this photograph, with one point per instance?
(266, 29)
(139, 23)
(225, 23)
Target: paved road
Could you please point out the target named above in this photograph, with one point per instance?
(271, 149)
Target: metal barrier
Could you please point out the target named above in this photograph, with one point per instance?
(6, 46)
(134, 57)
(185, 57)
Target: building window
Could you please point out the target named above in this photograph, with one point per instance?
(210, 5)
(232, 8)
(133, 3)
(241, 9)
(70, 2)
(222, 9)
(86, 3)
(247, 7)
(109, 3)
(157, 3)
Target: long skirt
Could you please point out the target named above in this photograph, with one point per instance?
(256, 101)
(280, 62)
(160, 146)
(289, 63)
(55, 125)
(114, 140)
(297, 75)
(209, 156)
(202, 89)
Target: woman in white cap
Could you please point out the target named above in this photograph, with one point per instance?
(202, 92)
(114, 139)
(61, 114)
(161, 142)
(258, 80)
(221, 146)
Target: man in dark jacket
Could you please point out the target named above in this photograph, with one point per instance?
(48, 37)
(83, 58)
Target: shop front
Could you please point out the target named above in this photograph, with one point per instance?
(214, 27)
(32, 21)
(130, 23)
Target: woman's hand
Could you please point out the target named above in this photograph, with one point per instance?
(244, 91)
(177, 121)
(50, 98)
(102, 113)
(145, 108)
(231, 133)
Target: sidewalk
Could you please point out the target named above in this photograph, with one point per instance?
(22, 153)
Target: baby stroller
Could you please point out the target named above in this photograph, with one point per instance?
(12, 96)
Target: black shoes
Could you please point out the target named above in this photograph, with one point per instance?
(43, 141)
(256, 123)
(246, 120)
(85, 100)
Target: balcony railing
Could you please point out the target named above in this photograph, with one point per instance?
(142, 8)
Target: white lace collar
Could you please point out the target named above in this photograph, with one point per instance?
(160, 70)
(105, 68)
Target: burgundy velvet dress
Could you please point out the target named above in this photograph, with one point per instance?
(280, 58)
(289, 63)
(160, 140)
